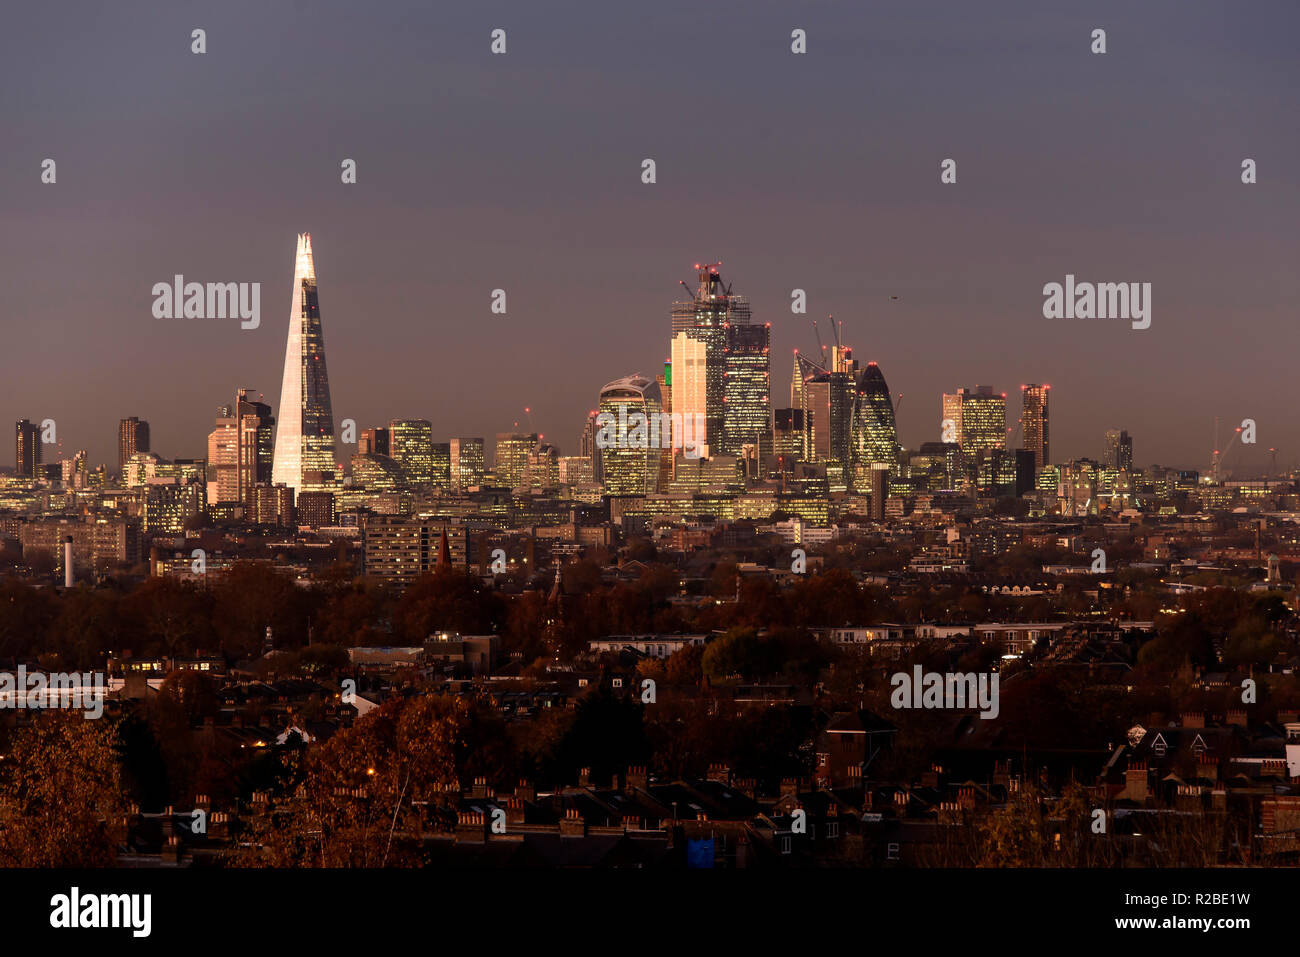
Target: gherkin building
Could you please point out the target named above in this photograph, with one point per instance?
(875, 434)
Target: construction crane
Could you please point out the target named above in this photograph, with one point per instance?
(821, 348)
(1217, 460)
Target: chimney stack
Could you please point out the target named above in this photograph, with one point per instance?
(67, 562)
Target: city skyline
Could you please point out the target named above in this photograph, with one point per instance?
(304, 363)
(852, 439)
(1083, 169)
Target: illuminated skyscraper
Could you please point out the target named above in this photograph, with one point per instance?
(747, 406)
(828, 397)
(690, 364)
(304, 442)
(710, 318)
(875, 433)
(132, 437)
(512, 458)
(373, 442)
(1119, 450)
(410, 443)
(27, 448)
(950, 416)
(466, 463)
(587, 445)
(1034, 422)
(631, 436)
(788, 442)
(983, 420)
(441, 465)
(805, 370)
(543, 470)
(240, 449)
(878, 485)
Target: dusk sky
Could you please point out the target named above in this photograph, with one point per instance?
(522, 171)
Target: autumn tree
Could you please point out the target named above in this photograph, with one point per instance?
(60, 793)
(446, 599)
(363, 798)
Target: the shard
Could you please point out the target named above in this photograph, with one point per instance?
(304, 441)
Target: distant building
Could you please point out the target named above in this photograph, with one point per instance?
(465, 463)
(587, 446)
(441, 457)
(270, 505)
(1119, 450)
(1034, 422)
(316, 509)
(304, 441)
(132, 437)
(543, 470)
(655, 646)
(96, 546)
(629, 453)
(950, 416)
(879, 490)
(690, 381)
(576, 470)
(983, 420)
(788, 441)
(398, 551)
(747, 404)
(240, 449)
(512, 453)
(373, 442)
(411, 446)
(1026, 471)
(169, 502)
(27, 448)
(875, 432)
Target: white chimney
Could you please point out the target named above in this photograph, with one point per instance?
(67, 562)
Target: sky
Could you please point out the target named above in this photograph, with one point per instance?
(817, 171)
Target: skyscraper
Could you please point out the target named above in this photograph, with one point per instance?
(715, 317)
(950, 416)
(27, 448)
(1119, 450)
(410, 443)
(878, 485)
(875, 433)
(255, 453)
(304, 442)
(441, 465)
(587, 446)
(1034, 422)
(828, 399)
(543, 470)
(788, 441)
(466, 463)
(511, 464)
(240, 449)
(983, 420)
(805, 370)
(132, 437)
(631, 436)
(373, 442)
(747, 406)
(690, 365)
